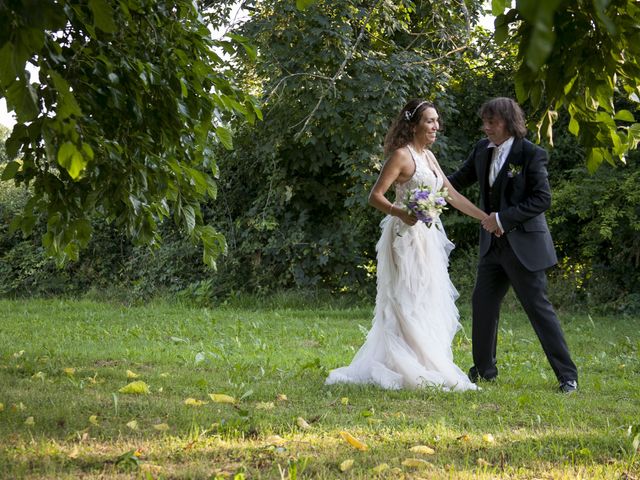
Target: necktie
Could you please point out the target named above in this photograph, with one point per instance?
(495, 166)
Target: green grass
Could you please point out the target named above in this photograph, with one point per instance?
(256, 353)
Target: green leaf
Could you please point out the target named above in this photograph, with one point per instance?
(624, 116)
(70, 158)
(501, 32)
(189, 217)
(224, 134)
(498, 6)
(102, 15)
(594, 159)
(22, 98)
(10, 170)
(574, 126)
(304, 4)
(8, 70)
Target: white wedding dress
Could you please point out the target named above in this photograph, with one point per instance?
(409, 344)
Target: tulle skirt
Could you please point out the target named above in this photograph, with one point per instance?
(415, 319)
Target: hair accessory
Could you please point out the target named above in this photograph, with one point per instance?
(409, 116)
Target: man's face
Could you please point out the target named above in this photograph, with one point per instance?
(496, 129)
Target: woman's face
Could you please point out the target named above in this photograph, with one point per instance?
(427, 127)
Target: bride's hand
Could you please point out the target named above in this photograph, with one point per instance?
(408, 218)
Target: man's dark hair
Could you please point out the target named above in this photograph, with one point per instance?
(508, 110)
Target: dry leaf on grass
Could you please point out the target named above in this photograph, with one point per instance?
(161, 427)
(346, 465)
(302, 423)
(133, 424)
(380, 468)
(93, 420)
(415, 463)
(222, 398)
(192, 402)
(423, 449)
(488, 438)
(265, 406)
(29, 421)
(135, 388)
(131, 374)
(353, 441)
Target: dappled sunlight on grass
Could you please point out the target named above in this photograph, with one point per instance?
(95, 391)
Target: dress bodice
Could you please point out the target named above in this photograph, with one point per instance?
(424, 175)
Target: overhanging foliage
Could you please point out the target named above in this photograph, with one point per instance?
(121, 120)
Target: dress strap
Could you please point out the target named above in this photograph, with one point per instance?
(413, 157)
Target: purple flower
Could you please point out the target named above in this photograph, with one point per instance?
(426, 204)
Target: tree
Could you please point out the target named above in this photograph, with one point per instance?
(121, 121)
(331, 77)
(579, 55)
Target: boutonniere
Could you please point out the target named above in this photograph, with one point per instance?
(514, 170)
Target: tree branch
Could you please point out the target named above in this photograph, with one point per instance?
(338, 73)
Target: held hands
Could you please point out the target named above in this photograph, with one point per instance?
(490, 224)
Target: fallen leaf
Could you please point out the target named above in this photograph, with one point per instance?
(163, 375)
(18, 354)
(131, 374)
(161, 427)
(275, 440)
(74, 452)
(29, 421)
(19, 407)
(482, 462)
(150, 468)
(135, 388)
(265, 406)
(69, 371)
(344, 400)
(415, 463)
(93, 420)
(464, 438)
(39, 376)
(192, 402)
(488, 438)
(380, 468)
(222, 398)
(133, 424)
(346, 465)
(353, 441)
(281, 397)
(423, 449)
(302, 423)
(1, 407)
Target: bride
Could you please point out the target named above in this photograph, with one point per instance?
(409, 344)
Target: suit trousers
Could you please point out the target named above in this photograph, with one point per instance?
(498, 269)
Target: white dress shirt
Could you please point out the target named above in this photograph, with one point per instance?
(500, 154)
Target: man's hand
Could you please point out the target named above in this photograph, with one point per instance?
(490, 224)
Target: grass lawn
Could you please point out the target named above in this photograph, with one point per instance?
(62, 415)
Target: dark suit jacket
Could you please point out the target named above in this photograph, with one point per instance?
(520, 195)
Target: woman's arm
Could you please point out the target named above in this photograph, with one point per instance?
(459, 201)
(399, 167)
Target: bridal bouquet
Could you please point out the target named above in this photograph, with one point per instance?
(426, 204)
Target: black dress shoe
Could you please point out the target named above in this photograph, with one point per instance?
(568, 386)
(474, 376)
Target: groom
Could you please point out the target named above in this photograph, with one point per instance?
(515, 244)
